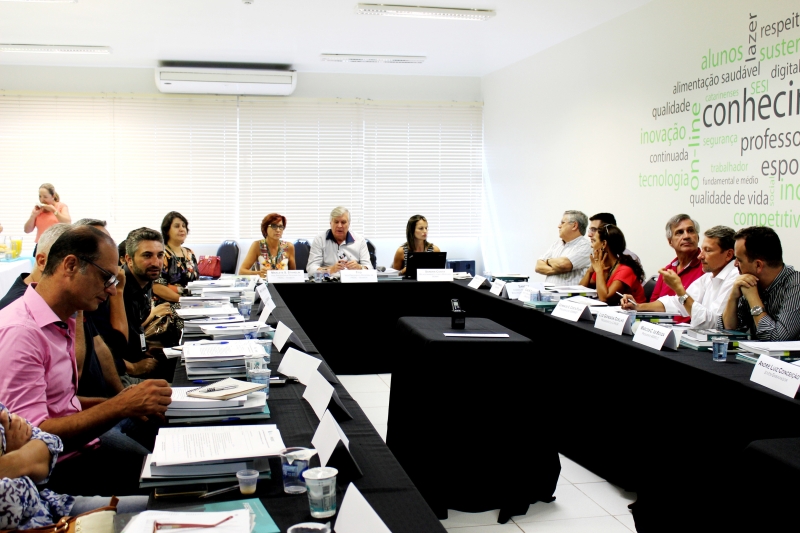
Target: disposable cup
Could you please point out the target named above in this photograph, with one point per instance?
(321, 485)
(293, 471)
(247, 481)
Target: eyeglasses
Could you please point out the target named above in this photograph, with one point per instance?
(166, 525)
(594, 230)
(111, 279)
(277, 228)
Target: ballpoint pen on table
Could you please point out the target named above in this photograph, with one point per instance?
(220, 491)
(215, 389)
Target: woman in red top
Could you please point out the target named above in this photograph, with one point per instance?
(612, 271)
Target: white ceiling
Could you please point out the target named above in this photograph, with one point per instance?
(295, 32)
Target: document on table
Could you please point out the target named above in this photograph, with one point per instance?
(216, 444)
(586, 301)
(477, 334)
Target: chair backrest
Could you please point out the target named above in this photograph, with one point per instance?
(372, 257)
(301, 250)
(228, 253)
(649, 285)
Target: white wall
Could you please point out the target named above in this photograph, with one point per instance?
(562, 130)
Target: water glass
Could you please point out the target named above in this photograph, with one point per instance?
(321, 485)
(293, 470)
(720, 349)
(245, 308)
(260, 376)
(267, 345)
(319, 276)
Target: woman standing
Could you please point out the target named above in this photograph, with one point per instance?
(179, 268)
(50, 210)
(416, 241)
(271, 252)
(613, 271)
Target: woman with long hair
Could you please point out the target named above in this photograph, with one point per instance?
(50, 210)
(416, 241)
(611, 270)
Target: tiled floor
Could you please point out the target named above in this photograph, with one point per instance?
(585, 502)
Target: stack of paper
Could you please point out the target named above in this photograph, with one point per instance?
(187, 302)
(196, 317)
(240, 521)
(785, 350)
(237, 330)
(209, 454)
(220, 359)
(188, 409)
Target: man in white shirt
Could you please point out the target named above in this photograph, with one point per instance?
(338, 248)
(566, 261)
(705, 299)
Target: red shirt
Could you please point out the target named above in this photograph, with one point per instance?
(625, 275)
(687, 275)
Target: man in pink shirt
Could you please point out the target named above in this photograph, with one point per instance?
(683, 236)
(39, 379)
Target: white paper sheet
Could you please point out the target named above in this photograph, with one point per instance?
(214, 444)
(299, 365)
(282, 333)
(318, 393)
(357, 515)
(327, 436)
(143, 522)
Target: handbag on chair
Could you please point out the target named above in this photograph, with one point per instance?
(209, 266)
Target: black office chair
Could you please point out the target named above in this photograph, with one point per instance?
(649, 285)
(301, 250)
(228, 253)
(372, 257)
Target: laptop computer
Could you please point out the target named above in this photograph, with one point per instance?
(419, 260)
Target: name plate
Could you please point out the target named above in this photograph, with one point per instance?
(262, 291)
(327, 436)
(318, 393)
(497, 287)
(780, 376)
(476, 282)
(299, 365)
(282, 334)
(572, 311)
(357, 515)
(286, 276)
(613, 322)
(513, 290)
(269, 307)
(359, 276)
(435, 274)
(655, 336)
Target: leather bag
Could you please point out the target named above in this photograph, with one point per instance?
(158, 326)
(210, 266)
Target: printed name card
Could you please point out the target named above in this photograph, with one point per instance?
(655, 336)
(286, 276)
(435, 274)
(282, 333)
(263, 292)
(514, 289)
(318, 393)
(359, 276)
(476, 282)
(572, 311)
(269, 307)
(780, 376)
(497, 287)
(299, 365)
(614, 322)
(357, 515)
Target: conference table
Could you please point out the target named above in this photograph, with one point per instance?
(654, 422)
(384, 484)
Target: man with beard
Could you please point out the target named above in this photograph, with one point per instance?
(144, 257)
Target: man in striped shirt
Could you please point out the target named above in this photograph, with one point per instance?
(568, 258)
(765, 298)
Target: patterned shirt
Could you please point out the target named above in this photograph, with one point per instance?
(22, 506)
(781, 303)
(577, 251)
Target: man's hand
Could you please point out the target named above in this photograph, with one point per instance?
(336, 267)
(673, 281)
(743, 282)
(145, 366)
(150, 397)
(628, 303)
(17, 429)
(353, 265)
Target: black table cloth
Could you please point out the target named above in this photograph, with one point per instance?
(385, 485)
(454, 418)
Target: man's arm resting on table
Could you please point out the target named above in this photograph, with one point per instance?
(554, 265)
(150, 397)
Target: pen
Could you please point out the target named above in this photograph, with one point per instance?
(202, 381)
(629, 299)
(220, 491)
(215, 389)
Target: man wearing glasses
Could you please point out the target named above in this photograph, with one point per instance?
(39, 378)
(568, 258)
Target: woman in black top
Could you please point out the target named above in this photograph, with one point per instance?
(416, 241)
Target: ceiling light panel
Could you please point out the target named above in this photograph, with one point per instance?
(55, 49)
(361, 58)
(389, 10)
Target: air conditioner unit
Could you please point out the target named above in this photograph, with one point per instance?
(225, 81)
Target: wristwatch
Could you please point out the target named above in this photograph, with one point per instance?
(757, 310)
(682, 299)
